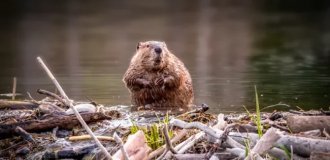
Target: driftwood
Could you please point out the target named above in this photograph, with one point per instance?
(305, 123)
(61, 121)
(304, 146)
(265, 143)
(6, 104)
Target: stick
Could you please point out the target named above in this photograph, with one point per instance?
(17, 105)
(265, 143)
(169, 146)
(25, 135)
(161, 149)
(167, 140)
(69, 103)
(88, 137)
(201, 126)
(50, 94)
(14, 88)
(122, 148)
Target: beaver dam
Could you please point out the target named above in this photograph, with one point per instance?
(57, 127)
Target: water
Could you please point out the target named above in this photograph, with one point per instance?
(228, 47)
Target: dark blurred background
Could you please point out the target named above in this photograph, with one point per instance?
(229, 46)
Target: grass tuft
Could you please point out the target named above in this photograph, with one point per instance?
(258, 120)
(153, 134)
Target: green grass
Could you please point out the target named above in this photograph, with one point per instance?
(134, 128)
(258, 120)
(153, 134)
(247, 147)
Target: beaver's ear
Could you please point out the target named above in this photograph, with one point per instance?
(164, 44)
(138, 45)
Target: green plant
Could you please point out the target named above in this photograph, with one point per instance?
(247, 111)
(247, 147)
(134, 128)
(167, 122)
(153, 134)
(258, 120)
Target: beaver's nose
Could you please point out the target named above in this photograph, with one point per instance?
(158, 50)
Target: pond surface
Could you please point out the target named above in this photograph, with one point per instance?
(228, 47)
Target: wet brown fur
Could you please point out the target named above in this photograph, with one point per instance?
(159, 82)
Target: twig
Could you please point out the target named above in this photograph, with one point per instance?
(326, 134)
(69, 103)
(31, 98)
(87, 137)
(54, 133)
(122, 148)
(50, 94)
(291, 150)
(25, 135)
(201, 126)
(161, 149)
(14, 88)
(304, 113)
(191, 141)
(169, 146)
(325, 112)
(280, 127)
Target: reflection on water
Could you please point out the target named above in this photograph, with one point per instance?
(228, 46)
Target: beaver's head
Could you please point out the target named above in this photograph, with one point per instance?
(152, 54)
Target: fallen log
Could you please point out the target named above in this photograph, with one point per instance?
(14, 105)
(305, 123)
(61, 121)
(265, 143)
(304, 146)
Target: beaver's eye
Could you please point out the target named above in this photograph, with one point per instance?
(138, 46)
(147, 46)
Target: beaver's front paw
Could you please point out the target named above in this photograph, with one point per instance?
(159, 81)
(169, 82)
(143, 83)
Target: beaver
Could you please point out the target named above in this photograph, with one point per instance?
(157, 79)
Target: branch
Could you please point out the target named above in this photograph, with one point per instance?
(122, 148)
(69, 103)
